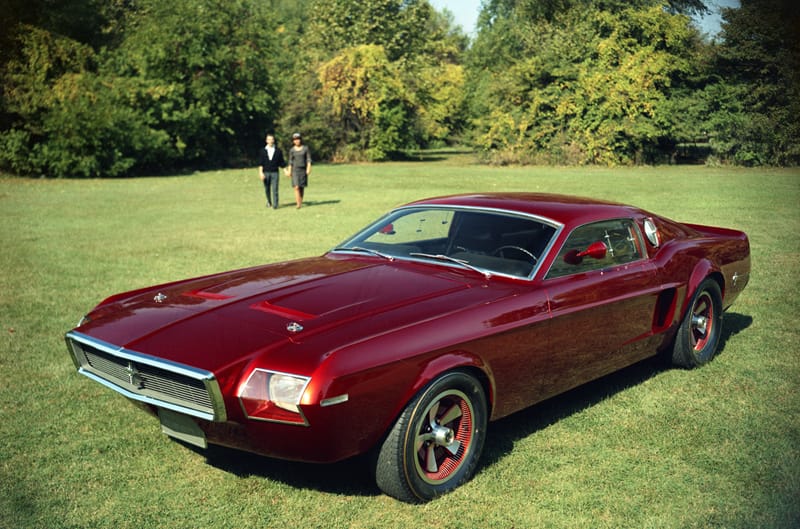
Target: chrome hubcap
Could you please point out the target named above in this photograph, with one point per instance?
(700, 323)
(443, 436)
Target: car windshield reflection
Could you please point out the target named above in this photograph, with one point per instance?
(492, 242)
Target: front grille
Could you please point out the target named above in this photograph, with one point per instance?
(148, 379)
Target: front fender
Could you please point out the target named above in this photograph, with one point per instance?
(439, 365)
(376, 396)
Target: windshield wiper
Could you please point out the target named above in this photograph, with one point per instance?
(449, 259)
(364, 250)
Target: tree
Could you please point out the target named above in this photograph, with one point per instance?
(581, 85)
(217, 58)
(397, 25)
(365, 93)
(155, 86)
(70, 121)
(388, 78)
(753, 106)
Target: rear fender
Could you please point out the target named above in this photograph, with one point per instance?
(702, 270)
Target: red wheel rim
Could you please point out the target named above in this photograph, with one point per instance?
(443, 440)
(702, 321)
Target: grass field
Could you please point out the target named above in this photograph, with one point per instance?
(644, 448)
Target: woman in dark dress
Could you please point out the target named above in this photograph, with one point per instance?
(299, 167)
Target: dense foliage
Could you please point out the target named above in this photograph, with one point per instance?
(754, 102)
(132, 87)
(592, 86)
(158, 86)
(376, 77)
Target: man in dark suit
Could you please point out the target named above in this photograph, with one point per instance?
(269, 168)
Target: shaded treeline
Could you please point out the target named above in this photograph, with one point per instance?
(132, 87)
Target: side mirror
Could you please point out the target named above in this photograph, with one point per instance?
(388, 229)
(596, 250)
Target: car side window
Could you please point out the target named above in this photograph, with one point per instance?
(581, 252)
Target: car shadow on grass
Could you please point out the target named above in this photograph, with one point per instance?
(732, 324)
(354, 476)
(351, 477)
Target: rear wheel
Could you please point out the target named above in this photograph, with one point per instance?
(699, 332)
(436, 442)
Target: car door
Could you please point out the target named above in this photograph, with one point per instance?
(601, 304)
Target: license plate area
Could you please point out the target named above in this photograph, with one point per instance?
(182, 427)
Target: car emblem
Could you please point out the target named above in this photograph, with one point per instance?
(134, 377)
(294, 327)
(160, 298)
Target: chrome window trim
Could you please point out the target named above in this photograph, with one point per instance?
(207, 378)
(507, 212)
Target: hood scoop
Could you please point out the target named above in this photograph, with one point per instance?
(266, 306)
(201, 294)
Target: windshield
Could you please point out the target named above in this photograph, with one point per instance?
(487, 240)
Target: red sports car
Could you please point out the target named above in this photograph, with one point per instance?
(405, 340)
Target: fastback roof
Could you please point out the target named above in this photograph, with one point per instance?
(563, 209)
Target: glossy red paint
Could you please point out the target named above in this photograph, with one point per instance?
(371, 332)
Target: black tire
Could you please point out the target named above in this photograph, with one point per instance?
(698, 335)
(435, 444)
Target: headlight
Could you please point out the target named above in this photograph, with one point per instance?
(272, 396)
(286, 390)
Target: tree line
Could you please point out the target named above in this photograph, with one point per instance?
(108, 88)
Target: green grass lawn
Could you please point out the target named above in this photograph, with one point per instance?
(644, 448)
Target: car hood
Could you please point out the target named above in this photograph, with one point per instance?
(219, 321)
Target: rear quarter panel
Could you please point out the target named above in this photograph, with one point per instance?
(683, 262)
(729, 251)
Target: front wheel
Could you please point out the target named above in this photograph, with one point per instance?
(435, 444)
(699, 332)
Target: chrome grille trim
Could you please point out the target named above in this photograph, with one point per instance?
(144, 378)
